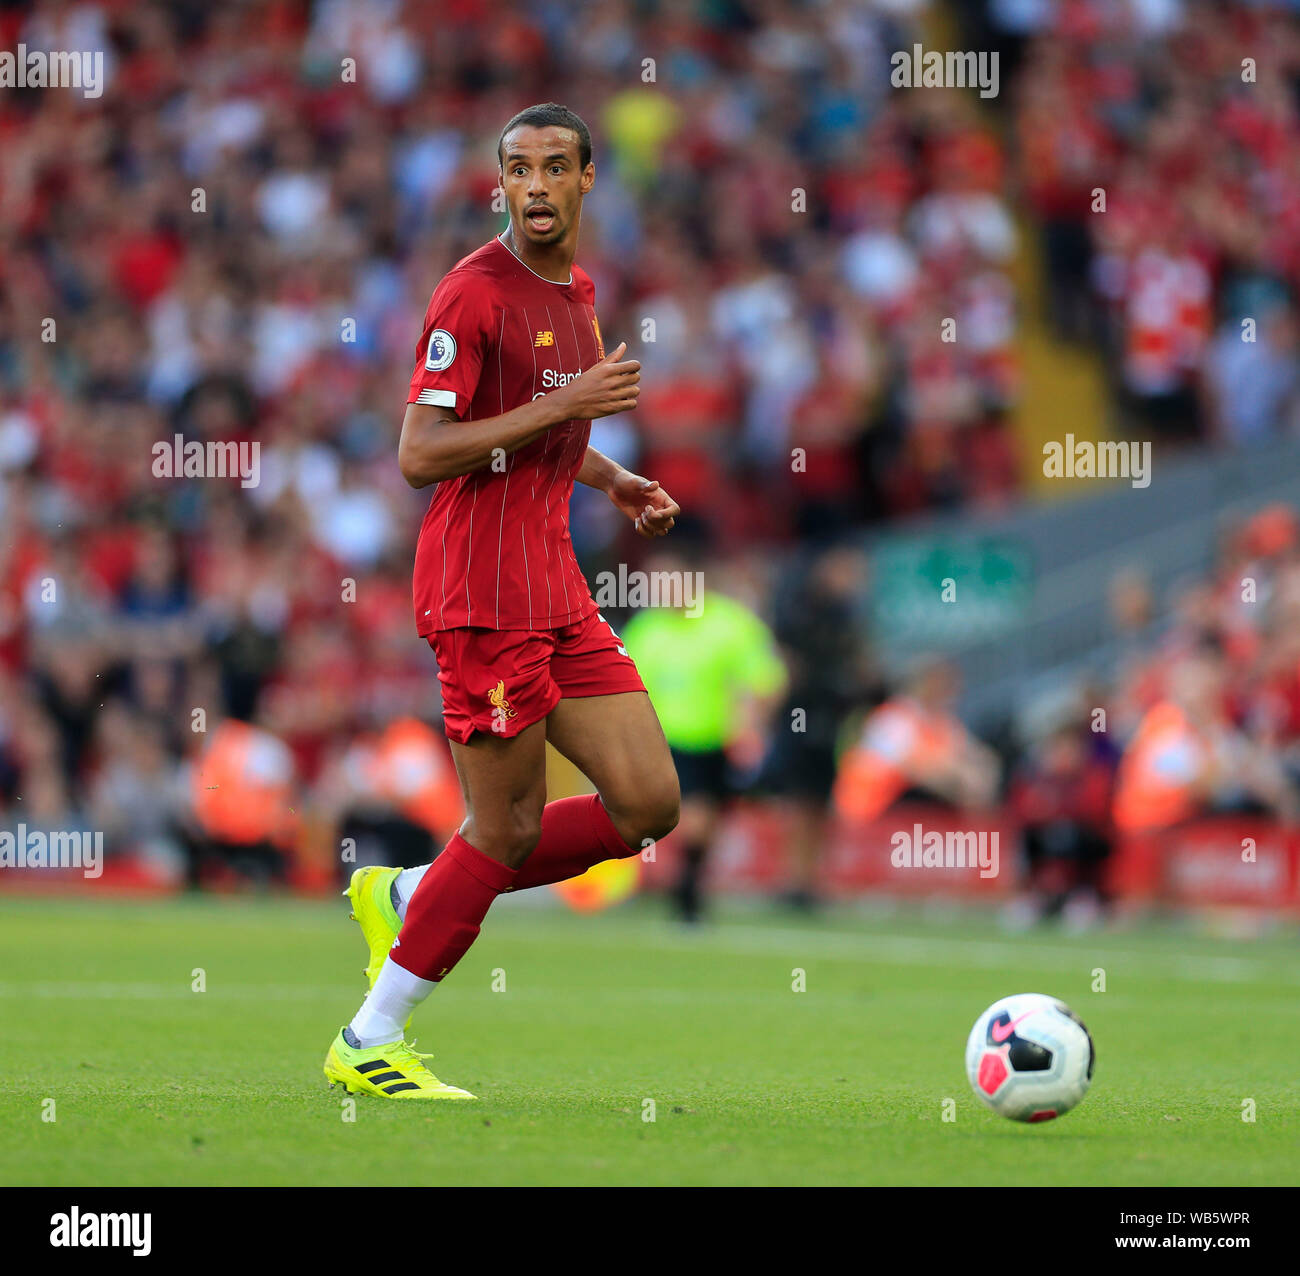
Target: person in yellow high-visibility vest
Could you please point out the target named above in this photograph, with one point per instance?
(713, 671)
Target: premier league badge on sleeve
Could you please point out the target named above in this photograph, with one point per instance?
(442, 350)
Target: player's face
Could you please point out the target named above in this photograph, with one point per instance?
(544, 183)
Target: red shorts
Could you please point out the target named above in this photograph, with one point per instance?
(503, 680)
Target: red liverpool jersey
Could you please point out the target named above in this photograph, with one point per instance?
(494, 548)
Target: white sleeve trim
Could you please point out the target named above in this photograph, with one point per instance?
(437, 398)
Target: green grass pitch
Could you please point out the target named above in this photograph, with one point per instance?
(752, 1082)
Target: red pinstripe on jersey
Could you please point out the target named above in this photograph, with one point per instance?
(494, 548)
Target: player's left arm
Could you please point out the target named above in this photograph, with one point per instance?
(641, 499)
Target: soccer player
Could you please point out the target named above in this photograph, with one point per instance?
(510, 371)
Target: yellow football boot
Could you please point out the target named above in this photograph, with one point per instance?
(370, 891)
(392, 1071)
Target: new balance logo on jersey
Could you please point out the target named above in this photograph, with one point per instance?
(544, 339)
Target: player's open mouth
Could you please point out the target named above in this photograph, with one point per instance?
(541, 219)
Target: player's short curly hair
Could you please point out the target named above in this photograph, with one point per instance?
(551, 114)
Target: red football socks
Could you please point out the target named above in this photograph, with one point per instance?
(576, 833)
(447, 908)
(452, 898)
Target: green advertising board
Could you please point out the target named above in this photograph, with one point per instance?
(945, 592)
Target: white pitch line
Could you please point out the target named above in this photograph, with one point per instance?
(797, 944)
(164, 992)
(946, 952)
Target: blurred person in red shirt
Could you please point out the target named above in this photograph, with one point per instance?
(1060, 796)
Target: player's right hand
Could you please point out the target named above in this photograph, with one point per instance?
(610, 386)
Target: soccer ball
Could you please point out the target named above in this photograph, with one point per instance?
(1029, 1057)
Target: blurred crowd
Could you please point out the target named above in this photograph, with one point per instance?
(235, 243)
(1159, 151)
(1193, 711)
(237, 240)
